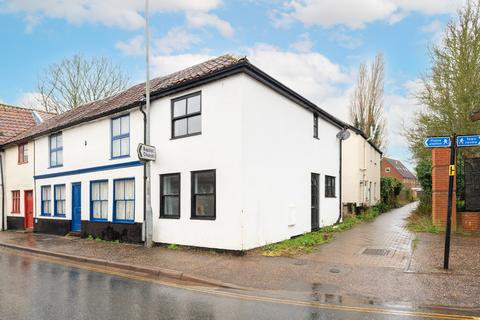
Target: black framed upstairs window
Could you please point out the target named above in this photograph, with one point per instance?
(187, 115)
(315, 126)
(329, 187)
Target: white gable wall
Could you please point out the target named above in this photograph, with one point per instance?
(217, 147)
(361, 169)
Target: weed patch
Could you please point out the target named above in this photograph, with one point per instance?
(307, 242)
(421, 223)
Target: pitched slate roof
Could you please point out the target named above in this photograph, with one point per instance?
(397, 164)
(15, 120)
(134, 96)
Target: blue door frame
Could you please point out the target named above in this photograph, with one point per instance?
(76, 207)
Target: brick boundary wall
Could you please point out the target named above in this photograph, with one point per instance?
(470, 221)
(440, 163)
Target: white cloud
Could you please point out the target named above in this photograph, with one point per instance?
(125, 14)
(435, 28)
(303, 44)
(356, 14)
(176, 39)
(309, 73)
(29, 100)
(345, 40)
(132, 47)
(202, 19)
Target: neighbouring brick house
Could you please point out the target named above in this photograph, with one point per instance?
(396, 169)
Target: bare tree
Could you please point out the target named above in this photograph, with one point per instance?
(366, 105)
(78, 80)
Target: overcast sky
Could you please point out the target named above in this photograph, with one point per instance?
(312, 46)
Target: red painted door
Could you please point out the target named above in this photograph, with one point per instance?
(28, 209)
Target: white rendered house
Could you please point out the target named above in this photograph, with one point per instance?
(241, 161)
(360, 171)
(16, 174)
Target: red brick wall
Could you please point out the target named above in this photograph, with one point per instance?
(440, 163)
(470, 221)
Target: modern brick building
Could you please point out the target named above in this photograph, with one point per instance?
(395, 168)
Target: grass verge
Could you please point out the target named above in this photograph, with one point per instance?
(307, 242)
(418, 222)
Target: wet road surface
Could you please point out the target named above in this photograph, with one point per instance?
(33, 288)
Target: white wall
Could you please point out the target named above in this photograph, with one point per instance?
(88, 146)
(262, 148)
(279, 155)
(360, 169)
(217, 147)
(17, 177)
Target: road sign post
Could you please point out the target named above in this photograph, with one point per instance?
(446, 142)
(451, 176)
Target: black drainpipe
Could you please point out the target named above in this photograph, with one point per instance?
(340, 182)
(144, 164)
(3, 192)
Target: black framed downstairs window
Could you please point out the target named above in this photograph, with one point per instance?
(170, 195)
(203, 194)
(329, 187)
(187, 115)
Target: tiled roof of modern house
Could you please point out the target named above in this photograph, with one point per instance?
(16, 120)
(134, 96)
(397, 164)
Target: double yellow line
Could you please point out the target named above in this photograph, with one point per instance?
(247, 297)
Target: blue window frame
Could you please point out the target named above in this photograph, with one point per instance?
(120, 144)
(56, 150)
(59, 200)
(124, 200)
(99, 200)
(46, 196)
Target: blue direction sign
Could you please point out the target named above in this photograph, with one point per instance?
(468, 141)
(437, 142)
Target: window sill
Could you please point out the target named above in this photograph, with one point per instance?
(186, 136)
(20, 163)
(202, 218)
(59, 166)
(59, 216)
(170, 217)
(45, 215)
(316, 138)
(98, 220)
(120, 157)
(123, 221)
(14, 212)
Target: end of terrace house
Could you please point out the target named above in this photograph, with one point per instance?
(242, 161)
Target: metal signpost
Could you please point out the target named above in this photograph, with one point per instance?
(453, 143)
(446, 142)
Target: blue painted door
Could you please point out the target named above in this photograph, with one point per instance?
(76, 207)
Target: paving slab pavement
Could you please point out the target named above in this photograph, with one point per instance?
(338, 270)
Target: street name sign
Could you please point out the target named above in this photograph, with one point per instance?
(146, 152)
(437, 142)
(468, 141)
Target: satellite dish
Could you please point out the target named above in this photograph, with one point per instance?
(343, 135)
